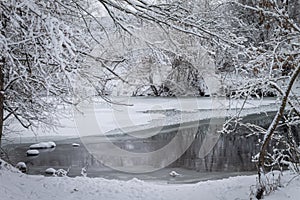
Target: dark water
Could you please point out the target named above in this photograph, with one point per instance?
(64, 156)
(230, 156)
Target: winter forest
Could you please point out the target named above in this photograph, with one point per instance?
(149, 99)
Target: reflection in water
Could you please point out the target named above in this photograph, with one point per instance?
(231, 155)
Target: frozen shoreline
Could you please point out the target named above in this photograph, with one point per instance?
(144, 114)
(15, 185)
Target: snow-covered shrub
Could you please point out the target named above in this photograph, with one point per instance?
(21, 166)
(61, 172)
(83, 172)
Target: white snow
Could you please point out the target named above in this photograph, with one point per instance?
(16, 186)
(61, 172)
(33, 152)
(51, 144)
(21, 166)
(51, 171)
(83, 172)
(173, 174)
(75, 144)
(43, 145)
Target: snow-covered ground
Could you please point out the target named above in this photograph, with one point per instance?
(17, 186)
(142, 113)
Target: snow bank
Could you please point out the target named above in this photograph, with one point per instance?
(4, 166)
(82, 188)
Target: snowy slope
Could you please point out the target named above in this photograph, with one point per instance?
(18, 186)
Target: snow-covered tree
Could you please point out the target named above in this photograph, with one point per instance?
(156, 53)
(44, 45)
(269, 65)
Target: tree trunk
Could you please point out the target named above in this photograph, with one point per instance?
(1, 96)
(271, 130)
(3, 20)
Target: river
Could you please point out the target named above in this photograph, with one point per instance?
(230, 156)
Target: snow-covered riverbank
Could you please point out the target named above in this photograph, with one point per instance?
(17, 186)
